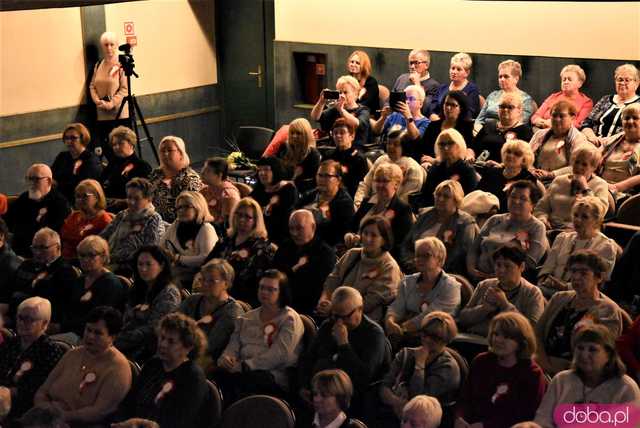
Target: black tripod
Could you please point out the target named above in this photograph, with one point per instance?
(134, 110)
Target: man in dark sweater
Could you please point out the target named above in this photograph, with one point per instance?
(306, 260)
(354, 164)
(419, 62)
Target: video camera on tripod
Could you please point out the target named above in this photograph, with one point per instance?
(126, 60)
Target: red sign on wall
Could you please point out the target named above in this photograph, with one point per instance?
(129, 29)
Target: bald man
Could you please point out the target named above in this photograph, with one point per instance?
(39, 206)
(306, 259)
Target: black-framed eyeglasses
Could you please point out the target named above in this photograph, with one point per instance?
(337, 317)
(417, 62)
(41, 247)
(507, 106)
(446, 144)
(26, 319)
(71, 138)
(83, 195)
(33, 178)
(323, 175)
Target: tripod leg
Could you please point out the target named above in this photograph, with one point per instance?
(136, 106)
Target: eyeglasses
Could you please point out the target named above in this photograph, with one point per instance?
(507, 106)
(41, 247)
(624, 79)
(83, 195)
(337, 317)
(324, 175)
(70, 138)
(88, 255)
(27, 319)
(446, 144)
(34, 178)
(411, 99)
(417, 62)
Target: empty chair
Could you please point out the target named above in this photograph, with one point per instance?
(252, 140)
(259, 411)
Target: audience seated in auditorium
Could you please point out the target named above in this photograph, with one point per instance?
(247, 248)
(509, 126)
(213, 309)
(568, 311)
(554, 209)
(587, 215)
(505, 385)
(330, 204)
(446, 221)
(406, 114)
(451, 163)
(27, 358)
(605, 119)
(154, 295)
(359, 67)
(41, 205)
(419, 61)
(596, 376)
(518, 227)
(275, 196)
(413, 175)
(265, 343)
(384, 202)
(507, 292)
(331, 397)
(421, 411)
(76, 163)
(370, 269)
(46, 275)
(171, 389)
(459, 70)
(509, 74)
(220, 193)
(430, 289)
(306, 260)
(172, 177)
(89, 218)
(572, 77)
(300, 158)
(190, 238)
(345, 107)
(517, 159)
(553, 146)
(90, 381)
(353, 163)
(135, 227)
(9, 263)
(122, 167)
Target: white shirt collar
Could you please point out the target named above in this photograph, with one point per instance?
(336, 423)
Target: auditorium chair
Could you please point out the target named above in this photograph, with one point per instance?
(259, 411)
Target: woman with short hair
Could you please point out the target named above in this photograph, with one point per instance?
(406, 114)
(89, 217)
(421, 411)
(172, 177)
(219, 192)
(459, 71)
(332, 391)
(572, 77)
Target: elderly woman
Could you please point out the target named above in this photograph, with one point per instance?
(123, 166)
(353, 163)
(91, 380)
(407, 114)
(517, 158)
(173, 177)
(459, 70)
(451, 163)
(27, 358)
(220, 193)
(246, 248)
(332, 391)
(76, 163)
(370, 269)
(518, 226)
(568, 310)
(505, 385)
(620, 165)
(190, 238)
(300, 158)
(97, 286)
(345, 107)
(596, 376)
(89, 218)
(330, 204)
(554, 209)
(508, 291)
(107, 89)
(552, 147)
(455, 115)
(275, 196)
(509, 74)
(587, 214)
(153, 296)
(454, 227)
(266, 341)
(413, 174)
(134, 227)
(605, 119)
(572, 78)
(509, 126)
(385, 202)
(421, 411)
(430, 289)
(359, 67)
(213, 308)
(429, 369)
(171, 388)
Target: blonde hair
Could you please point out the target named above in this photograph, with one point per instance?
(593, 204)
(179, 143)
(515, 97)
(591, 152)
(631, 108)
(435, 245)
(527, 154)
(463, 59)
(97, 244)
(427, 407)
(349, 80)
(572, 68)
(440, 324)
(108, 36)
(514, 66)
(418, 89)
(122, 133)
(199, 203)
(390, 171)
(454, 187)
(95, 187)
(454, 136)
(627, 67)
(259, 229)
(296, 153)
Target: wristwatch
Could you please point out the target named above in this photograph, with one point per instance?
(410, 120)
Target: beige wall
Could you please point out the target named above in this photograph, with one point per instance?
(605, 30)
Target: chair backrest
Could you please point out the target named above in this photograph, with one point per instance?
(252, 140)
(383, 95)
(244, 305)
(6, 333)
(184, 294)
(65, 346)
(135, 371)
(259, 411)
(629, 211)
(466, 289)
(462, 364)
(211, 411)
(356, 423)
(310, 329)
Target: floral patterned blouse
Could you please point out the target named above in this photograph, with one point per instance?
(164, 195)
